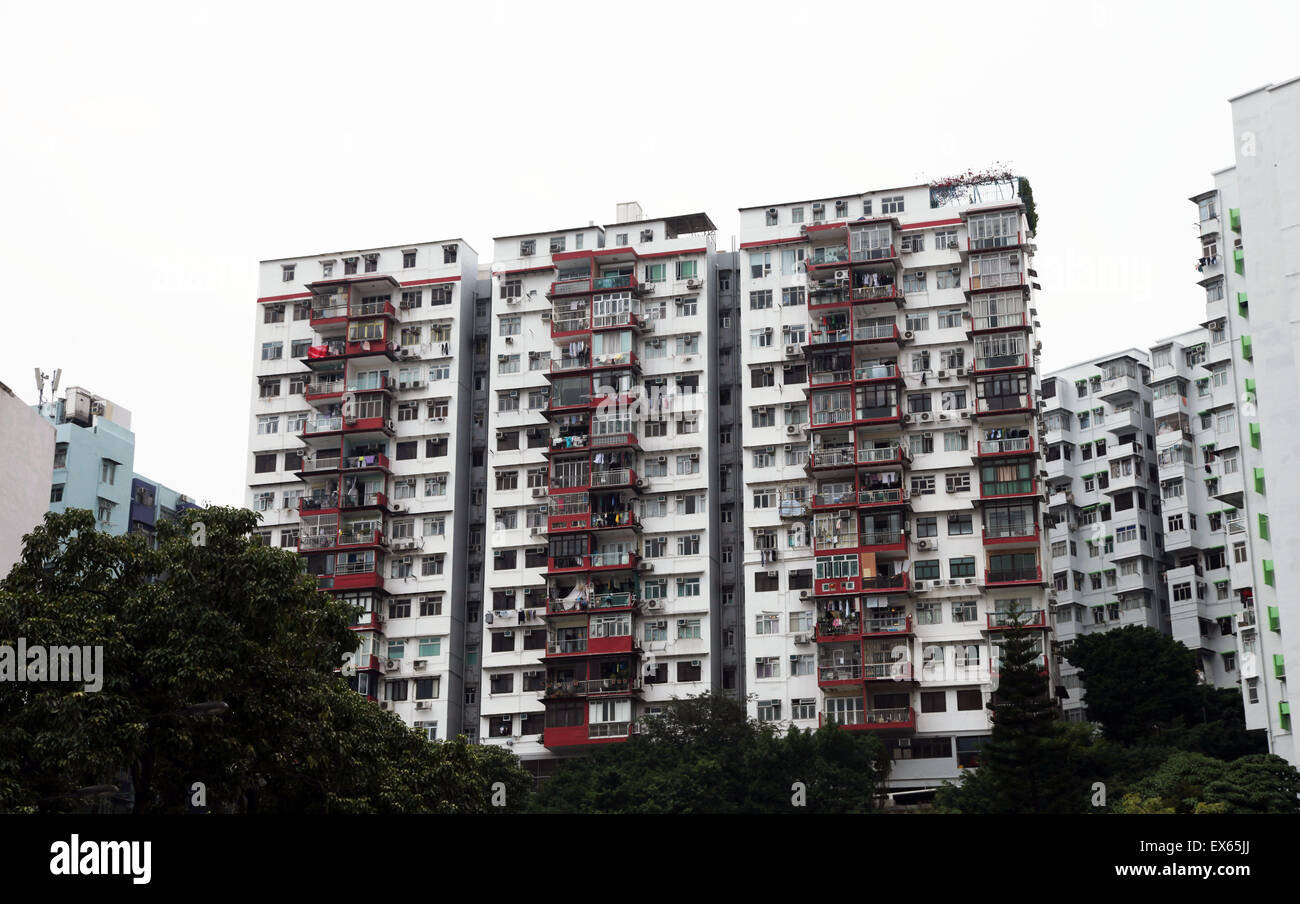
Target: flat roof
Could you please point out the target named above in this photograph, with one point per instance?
(856, 194)
(272, 260)
(682, 224)
(1138, 353)
(538, 232)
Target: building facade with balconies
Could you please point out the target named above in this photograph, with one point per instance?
(1105, 527)
(893, 502)
(601, 591)
(1258, 215)
(359, 458)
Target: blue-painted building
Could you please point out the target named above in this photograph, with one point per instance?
(94, 466)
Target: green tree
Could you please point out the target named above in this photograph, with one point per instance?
(704, 755)
(1139, 682)
(1031, 763)
(224, 619)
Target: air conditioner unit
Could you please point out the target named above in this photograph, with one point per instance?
(787, 447)
(943, 374)
(841, 274)
(420, 664)
(773, 574)
(695, 456)
(803, 638)
(907, 418)
(695, 663)
(384, 704)
(961, 371)
(654, 604)
(925, 544)
(918, 585)
(424, 704)
(546, 316)
(791, 350)
(803, 594)
(397, 508)
(393, 665)
(647, 566)
(952, 243)
(943, 415)
(791, 429)
(818, 205)
(925, 415)
(694, 283)
(970, 580)
(908, 335)
(539, 492)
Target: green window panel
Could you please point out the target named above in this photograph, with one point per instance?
(1274, 618)
(1268, 572)
(1254, 435)
(1279, 666)
(1243, 305)
(1284, 708)
(1263, 526)
(1245, 347)
(1239, 260)
(1234, 218)
(1250, 384)
(1259, 481)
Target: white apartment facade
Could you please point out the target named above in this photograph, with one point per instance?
(359, 402)
(893, 499)
(1260, 205)
(600, 589)
(1105, 538)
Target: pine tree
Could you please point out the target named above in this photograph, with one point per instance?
(1028, 766)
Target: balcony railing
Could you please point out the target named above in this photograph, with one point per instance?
(1001, 362)
(822, 377)
(1005, 446)
(570, 324)
(885, 582)
(1013, 576)
(790, 507)
(997, 280)
(1000, 321)
(885, 537)
(825, 337)
(323, 424)
(896, 624)
(563, 647)
(994, 404)
(844, 497)
(588, 603)
(836, 457)
(876, 371)
(580, 362)
(364, 500)
(896, 670)
(1033, 618)
(373, 309)
(619, 477)
(901, 716)
(880, 497)
(870, 332)
(593, 686)
(880, 455)
(839, 673)
(1012, 531)
(360, 462)
(321, 386)
(869, 293)
(603, 283)
(612, 559)
(618, 318)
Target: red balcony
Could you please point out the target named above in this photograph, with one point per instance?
(993, 242)
(600, 602)
(364, 500)
(593, 687)
(584, 735)
(996, 406)
(897, 670)
(894, 583)
(1009, 489)
(1012, 535)
(996, 363)
(627, 561)
(998, 323)
(839, 675)
(875, 335)
(872, 719)
(368, 621)
(364, 580)
(587, 285)
(1011, 576)
(882, 498)
(1000, 621)
(587, 521)
(592, 646)
(368, 662)
(376, 461)
(991, 448)
(367, 309)
(323, 390)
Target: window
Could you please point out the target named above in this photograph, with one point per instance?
(272, 351)
(892, 204)
(760, 300)
(959, 525)
(286, 275)
(969, 700)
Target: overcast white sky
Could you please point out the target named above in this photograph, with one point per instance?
(153, 153)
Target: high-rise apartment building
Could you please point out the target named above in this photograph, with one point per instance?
(1259, 207)
(1099, 454)
(602, 589)
(360, 454)
(27, 444)
(893, 500)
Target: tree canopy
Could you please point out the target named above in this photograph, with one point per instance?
(704, 755)
(209, 615)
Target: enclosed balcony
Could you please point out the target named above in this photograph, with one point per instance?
(1001, 620)
(575, 602)
(587, 512)
(858, 719)
(1004, 445)
(1009, 570)
(994, 406)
